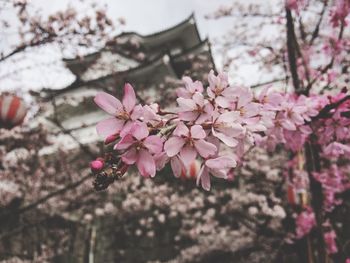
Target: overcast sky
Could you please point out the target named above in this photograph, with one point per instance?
(141, 16)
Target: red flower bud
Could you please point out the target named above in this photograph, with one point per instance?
(97, 165)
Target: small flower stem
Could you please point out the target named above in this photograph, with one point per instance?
(166, 130)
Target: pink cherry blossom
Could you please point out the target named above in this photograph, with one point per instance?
(334, 181)
(190, 88)
(291, 116)
(188, 142)
(305, 221)
(227, 128)
(218, 89)
(335, 149)
(218, 167)
(139, 148)
(330, 240)
(196, 109)
(270, 100)
(124, 113)
(295, 5)
(296, 139)
(177, 166)
(340, 12)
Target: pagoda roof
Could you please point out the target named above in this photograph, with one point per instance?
(194, 60)
(185, 34)
(201, 53)
(159, 66)
(186, 31)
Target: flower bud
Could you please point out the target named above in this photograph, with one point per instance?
(96, 165)
(110, 139)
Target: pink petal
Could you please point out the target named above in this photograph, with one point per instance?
(210, 93)
(173, 146)
(127, 128)
(145, 164)
(244, 98)
(125, 142)
(129, 157)
(229, 93)
(212, 79)
(188, 83)
(188, 155)
(137, 112)
(229, 141)
(274, 98)
(177, 166)
(202, 118)
(208, 108)
(228, 117)
(186, 104)
(205, 149)
(153, 143)
(198, 99)
(197, 132)
(298, 119)
(219, 173)
(108, 103)
(188, 115)
(221, 162)
(222, 102)
(161, 159)
(183, 93)
(288, 125)
(109, 126)
(181, 130)
(129, 99)
(198, 86)
(139, 130)
(233, 130)
(204, 178)
(251, 109)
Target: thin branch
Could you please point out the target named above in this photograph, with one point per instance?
(324, 112)
(47, 197)
(291, 51)
(316, 31)
(65, 131)
(267, 82)
(330, 64)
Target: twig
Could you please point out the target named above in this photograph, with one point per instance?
(323, 113)
(291, 51)
(266, 83)
(47, 197)
(317, 28)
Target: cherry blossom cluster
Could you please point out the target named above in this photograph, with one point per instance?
(305, 221)
(214, 126)
(334, 181)
(333, 129)
(338, 15)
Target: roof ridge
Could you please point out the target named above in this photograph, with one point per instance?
(138, 34)
(159, 32)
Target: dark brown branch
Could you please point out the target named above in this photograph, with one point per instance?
(317, 28)
(330, 64)
(324, 112)
(291, 51)
(47, 197)
(267, 82)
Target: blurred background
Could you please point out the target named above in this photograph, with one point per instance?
(56, 55)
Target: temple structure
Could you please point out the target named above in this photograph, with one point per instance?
(154, 64)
